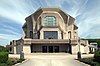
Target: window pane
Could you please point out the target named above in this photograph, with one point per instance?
(49, 21)
(50, 35)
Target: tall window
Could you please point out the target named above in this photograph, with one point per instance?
(50, 35)
(49, 21)
(69, 34)
(31, 34)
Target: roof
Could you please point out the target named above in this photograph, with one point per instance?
(40, 10)
(64, 15)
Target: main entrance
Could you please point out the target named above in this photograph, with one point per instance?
(56, 48)
(50, 49)
(44, 49)
(53, 48)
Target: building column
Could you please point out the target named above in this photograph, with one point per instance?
(74, 49)
(15, 50)
(26, 49)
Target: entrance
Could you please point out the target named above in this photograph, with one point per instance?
(56, 48)
(50, 49)
(44, 49)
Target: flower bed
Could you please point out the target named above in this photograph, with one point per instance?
(12, 61)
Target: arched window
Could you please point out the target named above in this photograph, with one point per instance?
(49, 21)
(69, 34)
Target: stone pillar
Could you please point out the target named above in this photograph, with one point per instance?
(27, 49)
(15, 50)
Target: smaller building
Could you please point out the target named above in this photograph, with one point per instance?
(93, 47)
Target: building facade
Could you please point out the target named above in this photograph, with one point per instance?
(49, 30)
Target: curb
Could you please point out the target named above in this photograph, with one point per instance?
(83, 63)
(21, 63)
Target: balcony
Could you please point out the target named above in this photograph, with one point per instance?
(46, 41)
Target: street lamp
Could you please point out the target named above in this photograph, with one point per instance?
(21, 48)
(79, 52)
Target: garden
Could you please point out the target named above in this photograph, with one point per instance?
(93, 61)
(5, 60)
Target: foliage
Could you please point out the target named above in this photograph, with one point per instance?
(94, 40)
(3, 64)
(89, 61)
(20, 60)
(97, 55)
(3, 49)
(12, 61)
(3, 57)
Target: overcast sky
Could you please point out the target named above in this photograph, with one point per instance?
(13, 13)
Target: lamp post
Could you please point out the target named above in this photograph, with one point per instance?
(79, 52)
(21, 52)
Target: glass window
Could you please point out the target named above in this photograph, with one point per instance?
(50, 35)
(49, 21)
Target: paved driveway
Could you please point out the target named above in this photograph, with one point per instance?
(61, 59)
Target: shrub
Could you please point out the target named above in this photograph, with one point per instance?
(3, 49)
(87, 60)
(97, 56)
(20, 60)
(3, 57)
(9, 62)
(3, 64)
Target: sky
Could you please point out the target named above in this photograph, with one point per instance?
(13, 13)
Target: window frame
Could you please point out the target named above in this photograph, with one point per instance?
(48, 22)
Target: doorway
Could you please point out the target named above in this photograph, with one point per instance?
(44, 49)
(56, 48)
(50, 49)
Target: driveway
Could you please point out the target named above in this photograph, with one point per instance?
(55, 59)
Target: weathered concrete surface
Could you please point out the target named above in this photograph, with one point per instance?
(55, 59)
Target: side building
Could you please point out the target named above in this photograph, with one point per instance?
(49, 30)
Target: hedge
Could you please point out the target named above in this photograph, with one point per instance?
(97, 55)
(3, 57)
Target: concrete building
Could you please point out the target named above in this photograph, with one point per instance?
(49, 30)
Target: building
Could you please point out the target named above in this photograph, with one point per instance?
(93, 47)
(49, 30)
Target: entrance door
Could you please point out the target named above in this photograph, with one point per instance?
(44, 49)
(50, 49)
(56, 48)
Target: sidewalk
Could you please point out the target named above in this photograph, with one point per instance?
(52, 60)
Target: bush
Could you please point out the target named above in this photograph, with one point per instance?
(9, 62)
(87, 60)
(3, 57)
(20, 60)
(3, 64)
(3, 49)
(97, 56)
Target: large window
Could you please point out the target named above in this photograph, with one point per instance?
(50, 35)
(49, 21)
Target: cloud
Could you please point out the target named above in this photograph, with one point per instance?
(13, 13)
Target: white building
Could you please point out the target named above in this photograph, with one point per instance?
(49, 30)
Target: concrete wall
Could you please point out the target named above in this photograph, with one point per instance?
(83, 49)
(75, 49)
(27, 49)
